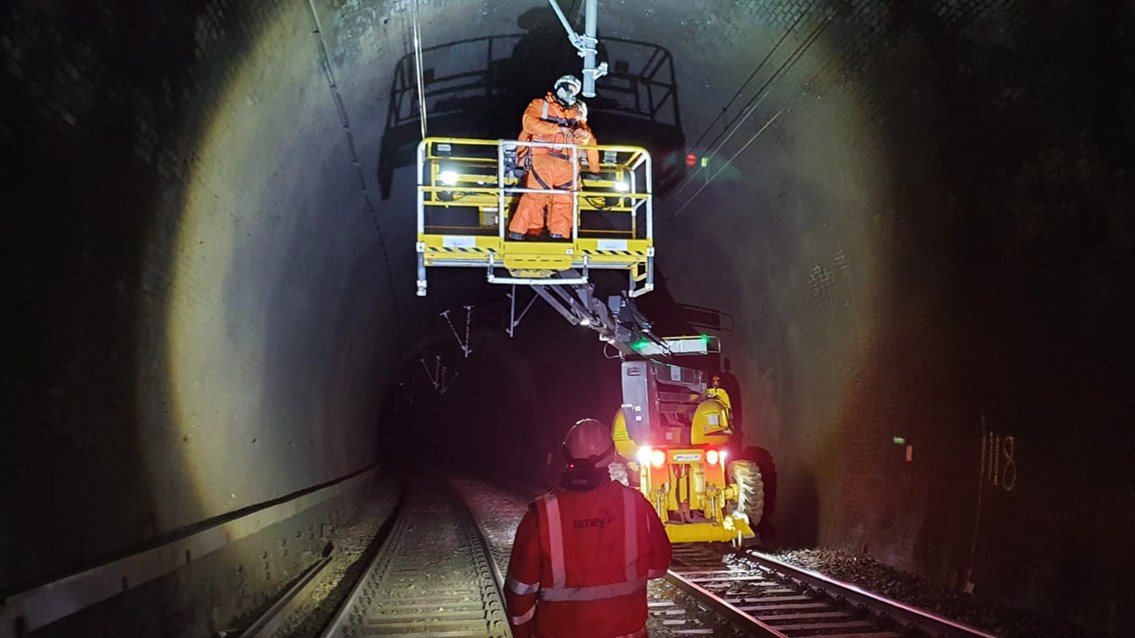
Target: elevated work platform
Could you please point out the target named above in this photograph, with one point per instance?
(468, 188)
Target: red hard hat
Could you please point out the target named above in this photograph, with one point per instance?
(589, 441)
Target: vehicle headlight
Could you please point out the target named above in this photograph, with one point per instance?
(643, 455)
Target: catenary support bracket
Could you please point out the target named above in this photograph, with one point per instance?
(464, 344)
(586, 44)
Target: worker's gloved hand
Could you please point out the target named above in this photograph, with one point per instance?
(568, 134)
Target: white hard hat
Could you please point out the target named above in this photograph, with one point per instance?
(589, 442)
(573, 82)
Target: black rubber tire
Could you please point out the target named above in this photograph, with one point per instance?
(763, 459)
(751, 490)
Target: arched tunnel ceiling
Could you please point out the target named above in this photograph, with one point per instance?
(897, 206)
(333, 244)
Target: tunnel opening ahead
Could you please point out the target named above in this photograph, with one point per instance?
(914, 218)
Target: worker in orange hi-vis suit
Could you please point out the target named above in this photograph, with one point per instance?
(559, 118)
(584, 551)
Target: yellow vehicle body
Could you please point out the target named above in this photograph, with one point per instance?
(683, 474)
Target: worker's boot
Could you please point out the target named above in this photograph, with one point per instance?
(556, 237)
(515, 236)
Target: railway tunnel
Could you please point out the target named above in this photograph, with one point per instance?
(910, 222)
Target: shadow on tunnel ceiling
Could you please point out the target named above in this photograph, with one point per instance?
(479, 87)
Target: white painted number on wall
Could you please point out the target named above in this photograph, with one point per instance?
(999, 467)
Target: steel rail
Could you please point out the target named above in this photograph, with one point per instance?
(275, 616)
(433, 574)
(767, 597)
(911, 617)
(26, 611)
(753, 625)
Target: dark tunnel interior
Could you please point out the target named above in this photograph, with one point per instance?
(911, 224)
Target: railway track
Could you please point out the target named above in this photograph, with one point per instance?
(765, 597)
(433, 575)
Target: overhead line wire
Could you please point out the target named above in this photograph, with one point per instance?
(418, 75)
(731, 126)
(731, 158)
(780, 41)
(764, 91)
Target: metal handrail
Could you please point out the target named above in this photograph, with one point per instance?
(475, 182)
(639, 159)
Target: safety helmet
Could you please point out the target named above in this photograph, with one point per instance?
(588, 444)
(566, 89)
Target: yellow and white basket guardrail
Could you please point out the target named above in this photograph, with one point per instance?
(467, 191)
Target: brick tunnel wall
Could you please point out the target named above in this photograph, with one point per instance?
(925, 234)
(927, 251)
(193, 326)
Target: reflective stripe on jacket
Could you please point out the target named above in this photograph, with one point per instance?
(543, 121)
(580, 563)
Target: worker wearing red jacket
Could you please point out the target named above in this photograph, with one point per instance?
(558, 118)
(584, 551)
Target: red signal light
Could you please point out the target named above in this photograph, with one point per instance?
(711, 457)
(658, 458)
(691, 160)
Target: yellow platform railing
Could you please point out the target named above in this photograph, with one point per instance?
(468, 189)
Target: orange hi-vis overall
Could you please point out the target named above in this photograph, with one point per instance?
(550, 168)
(580, 563)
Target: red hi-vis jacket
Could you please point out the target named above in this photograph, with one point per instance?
(580, 563)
